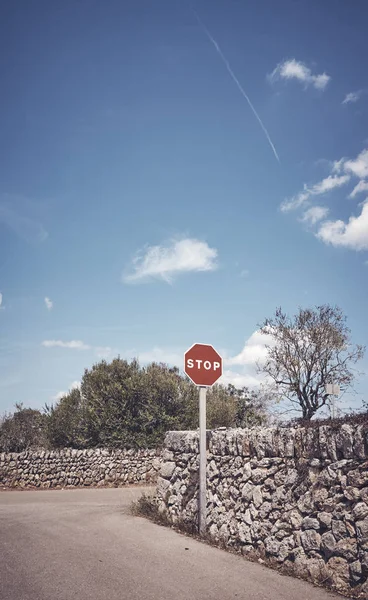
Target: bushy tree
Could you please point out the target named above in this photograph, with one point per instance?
(22, 430)
(67, 423)
(221, 407)
(251, 406)
(115, 403)
(171, 401)
(308, 351)
(121, 404)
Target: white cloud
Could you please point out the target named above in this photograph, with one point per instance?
(362, 186)
(338, 165)
(1, 300)
(165, 262)
(359, 165)
(74, 344)
(322, 187)
(49, 303)
(254, 353)
(341, 172)
(254, 350)
(13, 214)
(352, 97)
(240, 380)
(320, 81)
(100, 351)
(329, 183)
(296, 201)
(244, 273)
(293, 69)
(103, 351)
(73, 386)
(315, 214)
(162, 355)
(353, 234)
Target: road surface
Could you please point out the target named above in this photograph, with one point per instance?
(83, 544)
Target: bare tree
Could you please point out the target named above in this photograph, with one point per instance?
(308, 351)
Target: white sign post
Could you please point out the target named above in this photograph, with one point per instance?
(203, 365)
(333, 389)
(202, 461)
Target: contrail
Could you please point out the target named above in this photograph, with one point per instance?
(236, 81)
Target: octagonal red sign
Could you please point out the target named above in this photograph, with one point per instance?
(203, 364)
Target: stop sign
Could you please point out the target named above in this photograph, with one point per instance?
(203, 364)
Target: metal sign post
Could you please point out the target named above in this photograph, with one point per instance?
(334, 391)
(202, 461)
(203, 365)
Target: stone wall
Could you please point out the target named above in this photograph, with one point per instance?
(295, 498)
(65, 468)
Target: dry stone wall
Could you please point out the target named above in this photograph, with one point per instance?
(296, 498)
(67, 467)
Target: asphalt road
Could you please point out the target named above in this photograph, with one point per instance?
(83, 544)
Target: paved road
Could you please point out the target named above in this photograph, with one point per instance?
(84, 545)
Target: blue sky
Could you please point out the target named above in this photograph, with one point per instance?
(153, 207)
